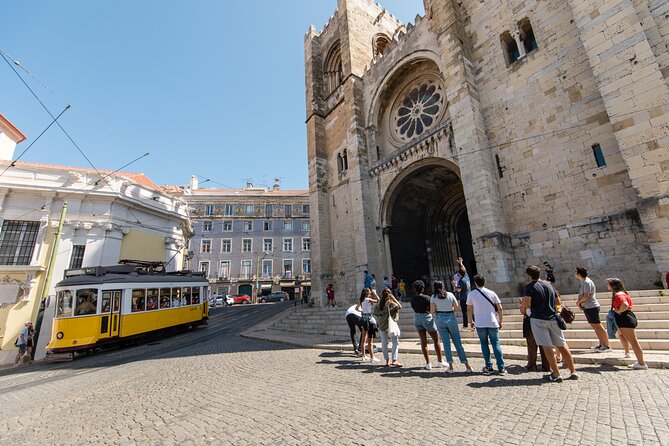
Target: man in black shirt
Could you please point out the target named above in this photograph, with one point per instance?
(541, 298)
(424, 323)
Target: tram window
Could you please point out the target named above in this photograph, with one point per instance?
(152, 299)
(106, 301)
(164, 298)
(176, 297)
(196, 295)
(117, 301)
(186, 299)
(138, 300)
(87, 302)
(64, 304)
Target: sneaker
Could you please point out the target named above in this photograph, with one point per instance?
(376, 360)
(487, 370)
(364, 359)
(428, 366)
(637, 366)
(502, 372)
(450, 370)
(442, 364)
(603, 348)
(627, 355)
(596, 347)
(469, 370)
(553, 379)
(573, 377)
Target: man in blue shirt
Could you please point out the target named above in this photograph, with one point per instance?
(462, 289)
(367, 280)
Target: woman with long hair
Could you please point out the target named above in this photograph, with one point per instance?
(443, 306)
(367, 300)
(388, 307)
(621, 304)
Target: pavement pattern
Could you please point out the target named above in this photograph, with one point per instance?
(211, 386)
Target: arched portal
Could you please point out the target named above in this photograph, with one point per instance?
(427, 225)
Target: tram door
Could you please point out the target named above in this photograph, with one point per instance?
(115, 322)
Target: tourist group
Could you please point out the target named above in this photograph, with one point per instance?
(544, 321)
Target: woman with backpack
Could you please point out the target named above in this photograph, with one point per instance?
(386, 309)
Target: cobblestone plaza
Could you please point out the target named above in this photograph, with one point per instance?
(212, 386)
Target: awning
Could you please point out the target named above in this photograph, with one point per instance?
(287, 284)
(265, 286)
(306, 283)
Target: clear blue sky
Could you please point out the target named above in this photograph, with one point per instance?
(209, 87)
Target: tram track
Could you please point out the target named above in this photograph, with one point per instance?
(230, 321)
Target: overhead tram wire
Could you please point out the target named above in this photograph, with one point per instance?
(50, 114)
(13, 163)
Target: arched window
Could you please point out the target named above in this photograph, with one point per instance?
(345, 159)
(332, 69)
(380, 44)
(527, 35)
(510, 47)
(340, 163)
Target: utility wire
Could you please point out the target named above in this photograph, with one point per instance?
(13, 163)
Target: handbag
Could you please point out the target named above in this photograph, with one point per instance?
(560, 321)
(393, 327)
(567, 315)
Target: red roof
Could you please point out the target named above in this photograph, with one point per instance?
(137, 178)
(18, 134)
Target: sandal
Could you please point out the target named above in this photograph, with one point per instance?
(396, 364)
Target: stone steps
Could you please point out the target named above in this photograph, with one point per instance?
(651, 308)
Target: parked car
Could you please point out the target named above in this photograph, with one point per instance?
(240, 299)
(229, 300)
(277, 296)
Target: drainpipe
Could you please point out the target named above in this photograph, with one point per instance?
(49, 273)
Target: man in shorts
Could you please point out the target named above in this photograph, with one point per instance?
(423, 320)
(587, 301)
(22, 341)
(354, 321)
(541, 298)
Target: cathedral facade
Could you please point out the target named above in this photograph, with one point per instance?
(506, 132)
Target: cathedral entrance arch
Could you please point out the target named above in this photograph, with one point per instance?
(426, 222)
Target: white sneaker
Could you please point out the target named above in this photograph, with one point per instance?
(442, 364)
(637, 366)
(450, 370)
(364, 359)
(428, 366)
(627, 355)
(376, 360)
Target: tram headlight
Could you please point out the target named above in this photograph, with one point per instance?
(59, 335)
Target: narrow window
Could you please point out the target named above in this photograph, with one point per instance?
(209, 210)
(306, 266)
(267, 225)
(225, 269)
(152, 299)
(305, 208)
(332, 70)
(345, 159)
(77, 258)
(288, 225)
(288, 268)
(288, 245)
(248, 225)
(380, 44)
(226, 245)
(527, 35)
(288, 210)
(510, 47)
(227, 226)
(268, 210)
(306, 244)
(247, 244)
(500, 172)
(206, 226)
(266, 268)
(267, 245)
(599, 155)
(204, 267)
(340, 163)
(228, 210)
(248, 210)
(205, 246)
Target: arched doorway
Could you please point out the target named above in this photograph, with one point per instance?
(246, 289)
(427, 225)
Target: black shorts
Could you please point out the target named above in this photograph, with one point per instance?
(626, 320)
(592, 315)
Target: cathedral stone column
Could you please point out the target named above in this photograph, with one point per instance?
(636, 97)
(491, 243)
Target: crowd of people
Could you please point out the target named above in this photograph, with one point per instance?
(481, 308)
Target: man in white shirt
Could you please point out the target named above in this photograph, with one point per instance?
(486, 310)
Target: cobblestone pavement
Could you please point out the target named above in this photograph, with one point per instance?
(210, 386)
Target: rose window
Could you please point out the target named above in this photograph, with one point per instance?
(419, 110)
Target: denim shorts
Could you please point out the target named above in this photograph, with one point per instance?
(424, 322)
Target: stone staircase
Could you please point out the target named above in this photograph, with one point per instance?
(650, 307)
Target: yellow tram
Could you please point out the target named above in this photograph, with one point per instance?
(103, 305)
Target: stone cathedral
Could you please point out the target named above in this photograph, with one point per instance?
(507, 132)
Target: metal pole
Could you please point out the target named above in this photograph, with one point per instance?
(255, 299)
(49, 273)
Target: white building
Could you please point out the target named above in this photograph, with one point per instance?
(110, 216)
